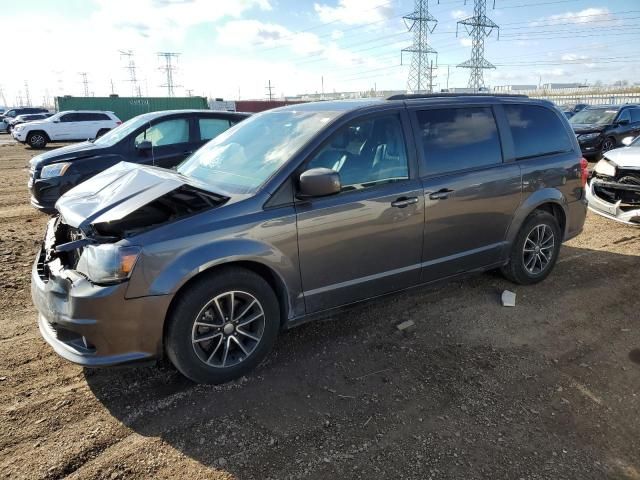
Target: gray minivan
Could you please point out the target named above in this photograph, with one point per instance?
(296, 212)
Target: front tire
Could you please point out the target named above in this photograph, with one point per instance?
(608, 143)
(222, 326)
(535, 250)
(37, 140)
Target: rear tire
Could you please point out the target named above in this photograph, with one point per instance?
(37, 140)
(222, 326)
(535, 250)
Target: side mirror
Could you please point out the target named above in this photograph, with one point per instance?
(624, 122)
(626, 141)
(319, 182)
(144, 146)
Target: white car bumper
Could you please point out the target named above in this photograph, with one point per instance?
(20, 135)
(611, 210)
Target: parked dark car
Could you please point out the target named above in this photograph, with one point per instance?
(20, 119)
(601, 128)
(571, 109)
(14, 112)
(162, 139)
(296, 212)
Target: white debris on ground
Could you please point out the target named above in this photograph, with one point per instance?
(405, 325)
(508, 299)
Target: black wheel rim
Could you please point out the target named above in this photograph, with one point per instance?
(607, 145)
(37, 140)
(538, 249)
(228, 329)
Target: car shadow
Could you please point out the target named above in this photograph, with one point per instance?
(356, 393)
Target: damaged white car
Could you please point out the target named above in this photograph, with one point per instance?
(614, 189)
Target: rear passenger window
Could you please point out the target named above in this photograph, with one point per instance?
(459, 138)
(212, 127)
(536, 131)
(635, 115)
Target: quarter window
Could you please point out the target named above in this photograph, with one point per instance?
(212, 127)
(366, 153)
(458, 139)
(169, 132)
(536, 131)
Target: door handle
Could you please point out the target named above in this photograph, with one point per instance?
(440, 194)
(404, 202)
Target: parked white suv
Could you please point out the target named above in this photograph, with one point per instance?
(66, 126)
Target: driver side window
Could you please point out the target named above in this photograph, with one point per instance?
(366, 153)
(169, 132)
(624, 115)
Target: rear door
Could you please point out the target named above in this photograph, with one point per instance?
(366, 240)
(170, 142)
(470, 192)
(208, 127)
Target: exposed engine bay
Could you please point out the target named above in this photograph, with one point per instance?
(615, 192)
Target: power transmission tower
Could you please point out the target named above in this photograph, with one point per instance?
(168, 68)
(270, 87)
(26, 93)
(478, 27)
(131, 68)
(85, 83)
(2, 97)
(421, 23)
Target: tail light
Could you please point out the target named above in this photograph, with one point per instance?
(118, 123)
(584, 170)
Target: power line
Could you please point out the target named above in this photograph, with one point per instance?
(169, 68)
(422, 23)
(479, 26)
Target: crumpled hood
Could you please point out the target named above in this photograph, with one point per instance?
(117, 192)
(625, 157)
(580, 128)
(76, 150)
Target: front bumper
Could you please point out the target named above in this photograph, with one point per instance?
(591, 147)
(610, 210)
(45, 192)
(94, 325)
(19, 135)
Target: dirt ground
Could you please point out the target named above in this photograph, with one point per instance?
(549, 389)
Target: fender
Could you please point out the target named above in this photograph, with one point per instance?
(533, 201)
(186, 264)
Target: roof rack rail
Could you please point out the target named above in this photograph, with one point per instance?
(411, 96)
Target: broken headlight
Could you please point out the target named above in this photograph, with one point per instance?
(54, 170)
(107, 263)
(606, 168)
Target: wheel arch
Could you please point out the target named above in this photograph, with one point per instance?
(44, 132)
(274, 280)
(550, 200)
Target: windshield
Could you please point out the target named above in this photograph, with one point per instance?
(598, 116)
(121, 131)
(245, 156)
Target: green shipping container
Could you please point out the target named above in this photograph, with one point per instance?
(129, 107)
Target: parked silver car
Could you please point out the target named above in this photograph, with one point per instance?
(296, 212)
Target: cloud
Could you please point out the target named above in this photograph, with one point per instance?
(572, 57)
(466, 42)
(459, 14)
(583, 16)
(355, 12)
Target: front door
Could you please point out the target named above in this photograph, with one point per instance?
(64, 127)
(170, 142)
(470, 194)
(366, 240)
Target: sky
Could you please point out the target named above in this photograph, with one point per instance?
(233, 48)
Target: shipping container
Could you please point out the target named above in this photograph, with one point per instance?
(129, 107)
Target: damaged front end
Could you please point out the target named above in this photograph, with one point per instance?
(614, 192)
(79, 279)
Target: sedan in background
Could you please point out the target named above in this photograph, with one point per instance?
(162, 139)
(20, 119)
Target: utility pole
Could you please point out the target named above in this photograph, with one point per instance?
(113, 90)
(448, 67)
(421, 23)
(189, 92)
(168, 68)
(2, 97)
(431, 77)
(270, 87)
(85, 83)
(26, 93)
(130, 66)
(479, 26)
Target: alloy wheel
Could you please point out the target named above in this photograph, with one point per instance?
(37, 140)
(607, 145)
(228, 329)
(538, 249)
